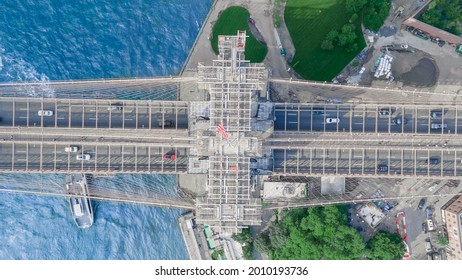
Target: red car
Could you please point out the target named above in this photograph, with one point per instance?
(169, 157)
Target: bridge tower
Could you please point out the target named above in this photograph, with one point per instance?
(233, 85)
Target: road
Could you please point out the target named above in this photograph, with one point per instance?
(365, 162)
(74, 113)
(367, 118)
(105, 158)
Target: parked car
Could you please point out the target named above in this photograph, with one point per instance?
(399, 120)
(439, 125)
(45, 113)
(428, 212)
(71, 149)
(428, 246)
(386, 111)
(436, 114)
(115, 107)
(421, 203)
(165, 123)
(332, 120)
(83, 157)
(433, 160)
(318, 111)
(430, 225)
(382, 168)
(424, 227)
(169, 157)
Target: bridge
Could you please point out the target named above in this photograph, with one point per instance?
(232, 133)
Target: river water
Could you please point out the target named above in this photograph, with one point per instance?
(44, 40)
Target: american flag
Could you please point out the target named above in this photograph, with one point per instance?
(222, 131)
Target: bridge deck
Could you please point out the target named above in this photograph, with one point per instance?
(368, 118)
(364, 162)
(49, 157)
(93, 113)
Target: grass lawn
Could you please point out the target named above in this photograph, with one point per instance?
(308, 22)
(231, 20)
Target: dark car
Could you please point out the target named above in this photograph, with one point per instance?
(382, 168)
(165, 123)
(436, 114)
(385, 111)
(421, 203)
(433, 160)
(428, 212)
(424, 227)
(318, 111)
(399, 120)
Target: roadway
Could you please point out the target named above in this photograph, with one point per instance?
(367, 118)
(365, 161)
(47, 156)
(97, 113)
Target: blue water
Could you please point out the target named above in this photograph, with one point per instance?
(65, 39)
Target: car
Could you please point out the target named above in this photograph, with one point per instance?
(169, 157)
(433, 160)
(385, 111)
(45, 113)
(382, 168)
(83, 157)
(436, 114)
(430, 224)
(424, 228)
(428, 212)
(71, 149)
(332, 120)
(115, 107)
(283, 52)
(318, 111)
(421, 203)
(428, 246)
(253, 160)
(165, 123)
(399, 120)
(439, 125)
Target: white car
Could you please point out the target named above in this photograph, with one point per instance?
(83, 157)
(71, 149)
(45, 113)
(332, 120)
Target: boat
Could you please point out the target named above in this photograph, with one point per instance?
(79, 201)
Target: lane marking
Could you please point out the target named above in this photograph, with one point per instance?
(129, 119)
(292, 114)
(61, 118)
(23, 117)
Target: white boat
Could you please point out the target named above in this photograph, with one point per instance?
(77, 188)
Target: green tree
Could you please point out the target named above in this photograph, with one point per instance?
(315, 233)
(245, 238)
(263, 242)
(443, 240)
(354, 6)
(327, 45)
(386, 246)
(332, 35)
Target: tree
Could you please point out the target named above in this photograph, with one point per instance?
(332, 35)
(263, 242)
(443, 240)
(327, 45)
(354, 6)
(313, 234)
(245, 238)
(386, 246)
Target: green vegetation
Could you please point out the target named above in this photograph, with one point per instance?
(218, 254)
(312, 234)
(231, 20)
(319, 56)
(375, 12)
(322, 233)
(443, 240)
(386, 246)
(245, 238)
(445, 14)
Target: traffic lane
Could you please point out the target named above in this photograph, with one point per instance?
(113, 158)
(345, 161)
